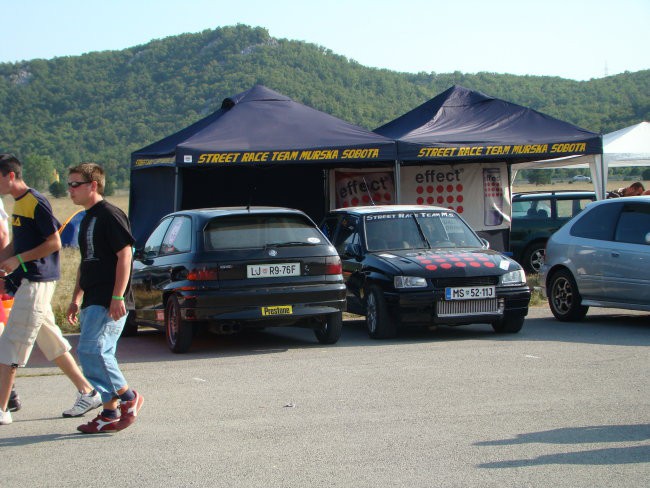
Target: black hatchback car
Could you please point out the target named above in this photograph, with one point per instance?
(232, 268)
(423, 265)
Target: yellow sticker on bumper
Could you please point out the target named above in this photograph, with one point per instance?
(277, 310)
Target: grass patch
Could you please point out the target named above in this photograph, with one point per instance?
(536, 297)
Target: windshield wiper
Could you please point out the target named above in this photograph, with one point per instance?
(288, 244)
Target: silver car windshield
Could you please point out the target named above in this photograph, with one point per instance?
(418, 230)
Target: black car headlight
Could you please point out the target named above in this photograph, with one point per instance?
(409, 282)
(513, 278)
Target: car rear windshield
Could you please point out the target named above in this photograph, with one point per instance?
(253, 231)
(418, 230)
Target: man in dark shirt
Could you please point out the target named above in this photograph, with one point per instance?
(635, 189)
(101, 297)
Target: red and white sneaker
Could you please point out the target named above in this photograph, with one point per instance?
(99, 424)
(129, 411)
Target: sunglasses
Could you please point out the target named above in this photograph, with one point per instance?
(76, 184)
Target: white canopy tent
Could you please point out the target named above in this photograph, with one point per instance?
(625, 147)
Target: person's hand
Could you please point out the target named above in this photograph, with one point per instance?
(9, 265)
(71, 314)
(117, 309)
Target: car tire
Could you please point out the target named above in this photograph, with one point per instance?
(330, 332)
(178, 332)
(130, 326)
(564, 298)
(533, 257)
(378, 321)
(509, 324)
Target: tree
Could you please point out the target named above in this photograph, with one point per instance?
(540, 176)
(646, 174)
(39, 171)
(58, 189)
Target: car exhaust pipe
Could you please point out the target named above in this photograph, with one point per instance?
(225, 328)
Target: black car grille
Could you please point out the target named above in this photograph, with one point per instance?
(469, 281)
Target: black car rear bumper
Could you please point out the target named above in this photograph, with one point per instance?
(285, 304)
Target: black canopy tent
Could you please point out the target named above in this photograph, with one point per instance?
(464, 125)
(461, 127)
(259, 148)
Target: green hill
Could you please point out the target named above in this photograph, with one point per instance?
(101, 106)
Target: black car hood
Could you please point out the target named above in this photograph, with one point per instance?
(447, 262)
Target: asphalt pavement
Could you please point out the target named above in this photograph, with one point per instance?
(557, 405)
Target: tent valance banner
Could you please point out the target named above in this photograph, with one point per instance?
(465, 125)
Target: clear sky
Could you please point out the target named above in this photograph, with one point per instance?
(576, 39)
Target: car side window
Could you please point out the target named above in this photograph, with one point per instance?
(543, 209)
(152, 246)
(634, 224)
(328, 227)
(178, 237)
(519, 208)
(533, 209)
(347, 233)
(565, 208)
(598, 223)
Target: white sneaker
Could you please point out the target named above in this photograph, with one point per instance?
(5, 417)
(84, 403)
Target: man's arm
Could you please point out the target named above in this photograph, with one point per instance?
(51, 245)
(75, 303)
(122, 274)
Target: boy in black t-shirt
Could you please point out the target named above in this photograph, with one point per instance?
(103, 280)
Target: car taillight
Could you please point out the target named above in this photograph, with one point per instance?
(333, 265)
(203, 274)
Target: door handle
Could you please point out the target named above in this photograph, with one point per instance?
(616, 254)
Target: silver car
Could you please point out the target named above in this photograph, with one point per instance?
(600, 258)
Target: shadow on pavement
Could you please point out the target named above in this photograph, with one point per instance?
(38, 439)
(580, 435)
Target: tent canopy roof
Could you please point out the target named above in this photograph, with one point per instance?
(482, 127)
(260, 121)
(629, 146)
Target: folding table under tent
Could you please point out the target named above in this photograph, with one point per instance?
(259, 148)
(456, 150)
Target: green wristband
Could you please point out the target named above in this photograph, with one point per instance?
(117, 298)
(22, 263)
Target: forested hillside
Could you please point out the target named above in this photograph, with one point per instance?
(101, 106)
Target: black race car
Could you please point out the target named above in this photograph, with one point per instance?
(423, 265)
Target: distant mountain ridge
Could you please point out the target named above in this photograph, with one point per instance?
(101, 106)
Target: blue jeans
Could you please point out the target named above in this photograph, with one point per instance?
(96, 351)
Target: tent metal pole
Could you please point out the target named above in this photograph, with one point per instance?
(398, 183)
(176, 189)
